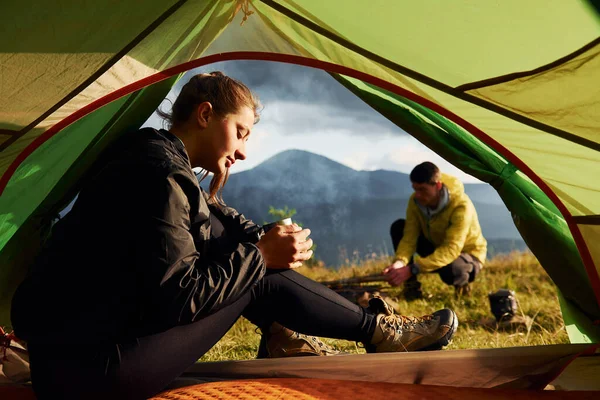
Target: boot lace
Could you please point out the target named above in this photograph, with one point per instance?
(315, 341)
(403, 322)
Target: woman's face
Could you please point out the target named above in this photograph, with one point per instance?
(227, 138)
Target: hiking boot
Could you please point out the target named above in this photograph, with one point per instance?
(280, 341)
(412, 289)
(464, 290)
(400, 333)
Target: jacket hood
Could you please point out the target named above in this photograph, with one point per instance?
(454, 185)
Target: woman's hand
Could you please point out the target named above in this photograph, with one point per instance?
(286, 246)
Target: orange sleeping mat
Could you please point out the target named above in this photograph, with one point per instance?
(328, 389)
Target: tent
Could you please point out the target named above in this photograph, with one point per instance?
(507, 91)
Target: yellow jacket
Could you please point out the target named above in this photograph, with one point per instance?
(453, 230)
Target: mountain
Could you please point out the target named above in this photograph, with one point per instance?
(349, 212)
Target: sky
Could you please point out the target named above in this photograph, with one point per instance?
(306, 109)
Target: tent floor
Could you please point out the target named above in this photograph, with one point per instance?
(496, 373)
(530, 367)
(329, 389)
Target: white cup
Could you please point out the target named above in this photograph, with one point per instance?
(285, 221)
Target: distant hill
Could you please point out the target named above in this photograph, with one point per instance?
(349, 212)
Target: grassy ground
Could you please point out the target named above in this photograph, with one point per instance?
(520, 272)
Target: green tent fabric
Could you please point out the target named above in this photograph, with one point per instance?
(494, 87)
(532, 211)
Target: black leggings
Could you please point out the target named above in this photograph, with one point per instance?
(144, 366)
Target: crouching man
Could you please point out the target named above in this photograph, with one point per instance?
(442, 228)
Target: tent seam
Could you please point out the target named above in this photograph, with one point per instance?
(516, 75)
(432, 82)
(105, 67)
(587, 219)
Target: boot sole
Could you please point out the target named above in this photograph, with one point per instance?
(446, 339)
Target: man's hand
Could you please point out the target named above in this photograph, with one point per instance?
(397, 273)
(286, 247)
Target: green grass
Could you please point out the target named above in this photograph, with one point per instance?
(520, 272)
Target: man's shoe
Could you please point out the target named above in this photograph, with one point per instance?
(280, 341)
(400, 333)
(412, 289)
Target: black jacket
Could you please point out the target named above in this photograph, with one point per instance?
(141, 251)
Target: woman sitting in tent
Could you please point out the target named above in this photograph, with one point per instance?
(147, 272)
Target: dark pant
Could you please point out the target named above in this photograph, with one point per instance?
(458, 273)
(142, 367)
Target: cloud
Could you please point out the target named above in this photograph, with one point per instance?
(299, 98)
(403, 159)
(360, 161)
(258, 139)
(281, 81)
(306, 108)
(296, 118)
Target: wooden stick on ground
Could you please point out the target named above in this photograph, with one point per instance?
(356, 280)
